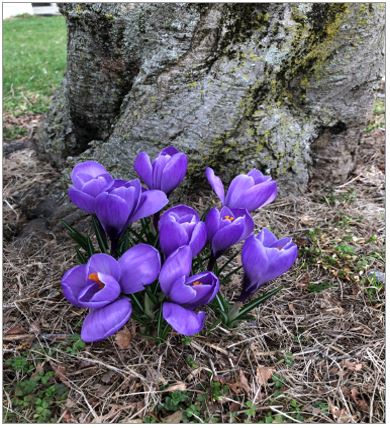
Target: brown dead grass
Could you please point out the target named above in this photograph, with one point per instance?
(26, 181)
(325, 347)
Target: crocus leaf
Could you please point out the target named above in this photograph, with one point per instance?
(139, 236)
(222, 306)
(257, 302)
(228, 261)
(81, 239)
(91, 249)
(81, 257)
(125, 242)
(147, 229)
(100, 235)
(232, 272)
(149, 306)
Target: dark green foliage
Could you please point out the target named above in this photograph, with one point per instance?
(34, 392)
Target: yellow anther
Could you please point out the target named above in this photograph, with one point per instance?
(94, 277)
(197, 283)
(229, 218)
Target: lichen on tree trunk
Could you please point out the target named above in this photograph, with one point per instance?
(281, 87)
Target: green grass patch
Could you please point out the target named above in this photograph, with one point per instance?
(34, 60)
(315, 287)
(13, 132)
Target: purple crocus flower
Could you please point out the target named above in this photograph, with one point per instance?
(180, 226)
(166, 171)
(227, 227)
(98, 285)
(265, 257)
(89, 180)
(185, 292)
(248, 191)
(126, 202)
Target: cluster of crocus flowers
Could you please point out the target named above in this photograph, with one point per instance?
(165, 270)
(102, 286)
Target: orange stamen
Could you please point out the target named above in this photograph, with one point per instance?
(197, 283)
(229, 218)
(94, 277)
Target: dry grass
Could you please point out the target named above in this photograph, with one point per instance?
(26, 181)
(321, 338)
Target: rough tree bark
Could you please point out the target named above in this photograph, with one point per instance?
(281, 87)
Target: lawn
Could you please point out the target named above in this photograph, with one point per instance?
(34, 60)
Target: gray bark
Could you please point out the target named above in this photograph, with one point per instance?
(281, 87)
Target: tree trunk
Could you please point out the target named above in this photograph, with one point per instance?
(281, 87)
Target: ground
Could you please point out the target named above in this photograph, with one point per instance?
(314, 353)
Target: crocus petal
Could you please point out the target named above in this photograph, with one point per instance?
(152, 201)
(178, 264)
(266, 237)
(215, 183)
(249, 223)
(198, 239)
(254, 260)
(237, 187)
(97, 185)
(207, 290)
(144, 169)
(172, 236)
(181, 293)
(73, 282)
(104, 322)
(182, 320)
(174, 172)
(130, 195)
(158, 166)
(82, 200)
(279, 262)
(212, 222)
(88, 168)
(92, 296)
(113, 213)
(281, 243)
(179, 211)
(258, 196)
(227, 236)
(103, 263)
(118, 182)
(140, 266)
(258, 176)
(169, 151)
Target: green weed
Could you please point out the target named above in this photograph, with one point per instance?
(37, 393)
(76, 346)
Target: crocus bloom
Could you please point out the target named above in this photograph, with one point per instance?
(265, 257)
(124, 203)
(227, 227)
(98, 285)
(166, 171)
(185, 292)
(89, 180)
(248, 191)
(180, 226)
